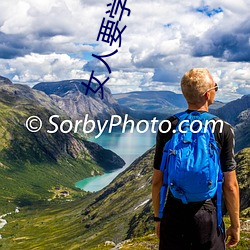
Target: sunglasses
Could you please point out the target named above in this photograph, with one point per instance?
(216, 87)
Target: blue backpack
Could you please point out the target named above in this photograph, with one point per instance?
(191, 162)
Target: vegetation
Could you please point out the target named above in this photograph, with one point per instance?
(38, 172)
(118, 213)
(57, 225)
(32, 163)
(243, 175)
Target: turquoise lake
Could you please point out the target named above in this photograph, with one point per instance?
(129, 146)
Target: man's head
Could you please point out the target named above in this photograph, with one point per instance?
(197, 86)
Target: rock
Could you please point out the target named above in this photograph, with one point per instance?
(109, 243)
(69, 95)
(4, 80)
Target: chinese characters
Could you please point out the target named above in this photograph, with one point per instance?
(109, 32)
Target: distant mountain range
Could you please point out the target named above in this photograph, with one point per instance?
(69, 96)
(149, 104)
(231, 111)
(152, 102)
(237, 114)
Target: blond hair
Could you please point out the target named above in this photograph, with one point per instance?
(195, 83)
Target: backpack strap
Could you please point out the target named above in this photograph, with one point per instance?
(164, 169)
(164, 188)
(219, 200)
(209, 116)
(163, 194)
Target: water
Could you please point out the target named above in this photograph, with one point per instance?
(129, 146)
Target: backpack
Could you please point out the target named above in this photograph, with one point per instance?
(191, 162)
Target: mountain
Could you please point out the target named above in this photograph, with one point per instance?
(38, 166)
(232, 110)
(237, 114)
(69, 95)
(4, 80)
(106, 215)
(149, 104)
(32, 163)
(242, 130)
(216, 105)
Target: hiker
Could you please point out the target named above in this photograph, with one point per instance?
(188, 224)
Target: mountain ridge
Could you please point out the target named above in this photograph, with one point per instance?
(230, 111)
(69, 95)
(58, 159)
(4, 80)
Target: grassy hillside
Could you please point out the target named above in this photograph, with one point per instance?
(32, 163)
(243, 175)
(121, 211)
(86, 222)
(54, 225)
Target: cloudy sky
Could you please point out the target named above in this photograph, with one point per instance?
(53, 40)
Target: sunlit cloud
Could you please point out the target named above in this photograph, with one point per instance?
(54, 40)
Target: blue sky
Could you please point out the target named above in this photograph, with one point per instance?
(53, 40)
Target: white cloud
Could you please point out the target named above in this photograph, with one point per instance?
(35, 68)
(47, 40)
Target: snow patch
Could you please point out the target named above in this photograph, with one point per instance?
(142, 204)
(2, 223)
(143, 186)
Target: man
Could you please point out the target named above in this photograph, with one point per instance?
(194, 225)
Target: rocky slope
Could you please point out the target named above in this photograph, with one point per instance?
(69, 95)
(4, 80)
(237, 114)
(242, 130)
(31, 163)
(232, 110)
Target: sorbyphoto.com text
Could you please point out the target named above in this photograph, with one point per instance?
(88, 126)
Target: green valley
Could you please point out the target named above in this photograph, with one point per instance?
(120, 212)
(38, 172)
(32, 163)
